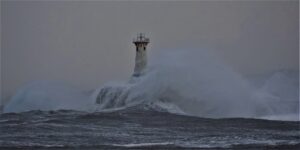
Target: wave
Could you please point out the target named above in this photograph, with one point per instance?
(143, 144)
(48, 95)
(135, 128)
(189, 82)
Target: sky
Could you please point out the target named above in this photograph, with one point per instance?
(90, 43)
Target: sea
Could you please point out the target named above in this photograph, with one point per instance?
(136, 128)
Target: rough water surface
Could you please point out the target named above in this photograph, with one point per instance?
(141, 128)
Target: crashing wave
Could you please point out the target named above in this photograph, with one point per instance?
(177, 82)
(48, 95)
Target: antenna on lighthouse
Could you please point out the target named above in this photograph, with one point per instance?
(141, 43)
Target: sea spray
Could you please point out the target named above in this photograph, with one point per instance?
(200, 84)
(48, 95)
(187, 81)
(196, 82)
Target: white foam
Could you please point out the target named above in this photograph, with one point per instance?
(282, 117)
(132, 145)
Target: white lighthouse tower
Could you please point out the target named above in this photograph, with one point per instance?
(141, 55)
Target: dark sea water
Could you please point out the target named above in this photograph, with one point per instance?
(135, 128)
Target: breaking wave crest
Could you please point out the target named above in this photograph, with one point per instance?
(191, 82)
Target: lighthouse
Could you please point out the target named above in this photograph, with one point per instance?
(141, 43)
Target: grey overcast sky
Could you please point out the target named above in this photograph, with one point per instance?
(89, 43)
